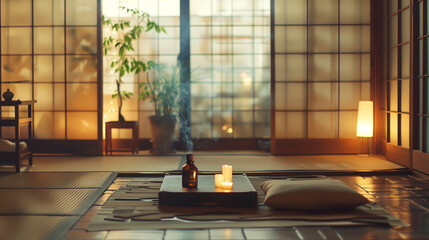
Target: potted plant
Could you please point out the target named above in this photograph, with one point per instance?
(121, 43)
(164, 92)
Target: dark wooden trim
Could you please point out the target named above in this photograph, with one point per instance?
(398, 155)
(377, 74)
(100, 107)
(273, 78)
(316, 146)
(424, 93)
(226, 144)
(421, 161)
(75, 147)
(414, 84)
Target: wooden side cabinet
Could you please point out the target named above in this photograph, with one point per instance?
(17, 122)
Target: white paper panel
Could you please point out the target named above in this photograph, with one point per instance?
(405, 130)
(354, 11)
(81, 12)
(82, 125)
(322, 96)
(350, 95)
(291, 67)
(291, 39)
(323, 67)
(322, 124)
(16, 40)
(393, 64)
(323, 38)
(43, 68)
(291, 96)
(405, 96)
(323, 11)
(82, 96)
(405, 61)
(44, 93)
(81, 68)
(394, 128)
(355, 38)
(16, 12)
(350, 67)
(49, 125)
(393, 96)
(290, 12)
(348, 122)
(290, 125)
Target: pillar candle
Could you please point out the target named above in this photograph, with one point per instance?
(227, 185)
(227, 173)
(218, 180)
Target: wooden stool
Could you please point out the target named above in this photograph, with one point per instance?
(133, 125)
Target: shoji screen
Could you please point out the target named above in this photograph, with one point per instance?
(163, 48)
(397, 79)
(321, 70)
(421, 86)
(51, 45)
(230, 47)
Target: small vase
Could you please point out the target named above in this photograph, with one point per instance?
(8, 95)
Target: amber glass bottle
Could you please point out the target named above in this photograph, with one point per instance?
(189, 173)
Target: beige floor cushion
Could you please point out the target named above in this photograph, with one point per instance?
(306, 195)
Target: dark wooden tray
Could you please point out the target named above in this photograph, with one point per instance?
(242, 195)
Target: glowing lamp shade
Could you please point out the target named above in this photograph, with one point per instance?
(365, 119)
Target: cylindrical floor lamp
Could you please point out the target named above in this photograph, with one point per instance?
(365, 122)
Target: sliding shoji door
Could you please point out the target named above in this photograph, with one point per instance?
(230, 47)
(396, 80)
(162, 48)
(421, 86)
(320, 70)
(52, 46)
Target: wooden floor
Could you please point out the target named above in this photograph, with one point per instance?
(406, 196)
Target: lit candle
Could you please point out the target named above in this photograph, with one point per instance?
(218, 180)
(227, 173)
(227, 185)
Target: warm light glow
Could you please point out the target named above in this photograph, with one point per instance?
(229, 130)
(227, 185)
(246, 79)
(227, 173)
(365, 119)
(218, 180)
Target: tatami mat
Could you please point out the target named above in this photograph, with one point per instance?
(57, 180)
(132, 163)
(35, 227)
(47, 205)
(47, 201)
(212, 162)
(254, 163)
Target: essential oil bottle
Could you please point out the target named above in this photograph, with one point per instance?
(189, 173)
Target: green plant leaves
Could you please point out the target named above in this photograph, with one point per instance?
(120, 43)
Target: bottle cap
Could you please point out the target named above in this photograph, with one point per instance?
(190, 157)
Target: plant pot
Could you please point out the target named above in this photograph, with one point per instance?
(162, 130)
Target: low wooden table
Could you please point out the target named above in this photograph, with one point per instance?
(133, 125)
(242, 195)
